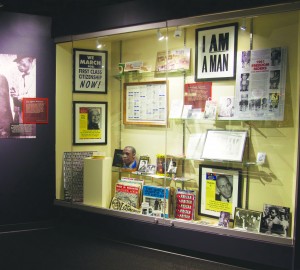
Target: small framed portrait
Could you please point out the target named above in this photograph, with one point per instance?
(151, 169)
(275, 220)
(143, 163)
(219, 190)
(172, 168)
(224, 219)
(248, 220)
(89, 122)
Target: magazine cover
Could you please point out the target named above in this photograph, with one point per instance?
(129, 193)
(158, 199)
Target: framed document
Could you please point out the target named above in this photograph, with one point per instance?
(89, 122)
(224, 145)
(216, 49)
(145, 103)
(90, 71)
(219, 190)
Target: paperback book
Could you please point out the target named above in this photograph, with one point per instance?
(185, 204)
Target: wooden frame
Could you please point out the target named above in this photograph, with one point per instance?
(216, 49)
(90, 71)
(89, 122)
(219, 190)
(145, 103)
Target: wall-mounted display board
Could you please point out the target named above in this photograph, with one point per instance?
(260, 84)
(145, 103)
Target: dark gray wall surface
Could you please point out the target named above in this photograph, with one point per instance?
(85, 19)
(27, 179)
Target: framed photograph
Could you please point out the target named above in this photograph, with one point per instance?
(224, 145)
(224, 219)
(145, 103)
(216, 49)
(248, 220)
(275, 220)
(151, 169)
(219, 190)
(90, 71)
(89, 122)
(143, 163)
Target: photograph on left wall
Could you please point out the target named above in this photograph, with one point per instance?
(17, 81)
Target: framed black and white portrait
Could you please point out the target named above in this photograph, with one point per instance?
(89, 122)
(219, 190)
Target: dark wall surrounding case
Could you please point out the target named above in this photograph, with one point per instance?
(85, 19)
(27, 178)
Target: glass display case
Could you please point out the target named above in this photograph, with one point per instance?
(211, 107)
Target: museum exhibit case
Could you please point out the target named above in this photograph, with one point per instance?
(196, 125)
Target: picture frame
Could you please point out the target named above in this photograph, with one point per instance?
(275, 220)
(89, 71)
(224, 219)
(145, 103)
(246, 219)
(143, 163)
(89, 122)
(216, 50)
(224, 145)
(219, 190)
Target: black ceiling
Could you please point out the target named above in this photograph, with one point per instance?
(52, 7)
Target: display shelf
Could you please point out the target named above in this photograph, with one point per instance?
(192, 225)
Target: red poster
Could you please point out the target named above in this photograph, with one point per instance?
(196, 94)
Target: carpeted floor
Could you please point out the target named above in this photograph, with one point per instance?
(62, 249)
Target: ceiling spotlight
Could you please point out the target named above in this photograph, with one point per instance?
(98, 45)
(177, 33)
(243, 26)
(160, 36)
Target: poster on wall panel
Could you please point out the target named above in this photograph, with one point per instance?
(17, 81)
(260, 84)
